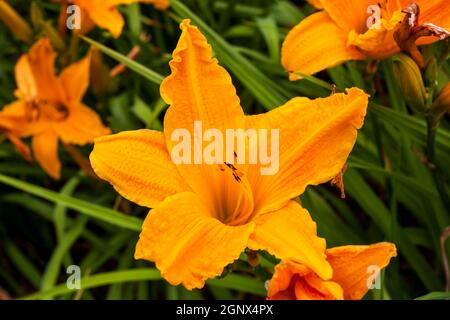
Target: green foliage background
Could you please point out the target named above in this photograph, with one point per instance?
(392, 193)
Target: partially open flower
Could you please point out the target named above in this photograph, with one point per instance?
(410, 30)
(355, 269)
(356, 30)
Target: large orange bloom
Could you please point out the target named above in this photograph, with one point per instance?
(105, 14)
(49, 107)
(204, 215)
(352, 274)
(340, 32)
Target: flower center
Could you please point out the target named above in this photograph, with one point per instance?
(228, 194)
(48, 110)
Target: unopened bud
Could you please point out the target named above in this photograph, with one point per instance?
(431, 72)
(410, 81)
(15, 22)
(51, 33)
(442, 104)
(37, 15)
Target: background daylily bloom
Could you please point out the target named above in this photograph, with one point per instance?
(105, 14)
(203, 217)
(351, 274)
(339, 33)
(49, 107)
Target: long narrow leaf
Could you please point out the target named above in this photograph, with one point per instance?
(89, 209)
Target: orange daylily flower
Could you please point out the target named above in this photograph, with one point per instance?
(105, 14)
(340, 33)
(49, 107)
(205, 215)
(352, 274)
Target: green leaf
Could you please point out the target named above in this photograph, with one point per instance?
(416, 127)
(131, 64)
(99, 280)
(53, 267)
(240, 283)
(23, 264)
(435, 296)
(89, 209)
(59, 213)
(268, 27)
(232, 281)
(361, 192)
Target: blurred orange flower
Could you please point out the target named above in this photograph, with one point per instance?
(105, 14)
(49, 107)
(205, 215)
(352, 274)
(353, 30)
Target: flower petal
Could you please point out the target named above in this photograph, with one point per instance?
(12, 116)
(81, 126)
(350, 266)
(45, 150)
(316, 3)
(316, 137)
(315, 44)
(187, 244)
(378, 42)
(20, 146)
(282, 284)
(41, 59)
(199, 91)
(436, 12)
(293, 281)
(105, 16)
(75, 79)
(198, 88)
(25, 81)
(311, 287)
(16, 115)
(137, 164)
(349, 14)
(291, 234)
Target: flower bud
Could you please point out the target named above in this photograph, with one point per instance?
(442, 104)
(15, 22)
(37, 16)
(410, 81)
(51, 33)
(431, 72)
